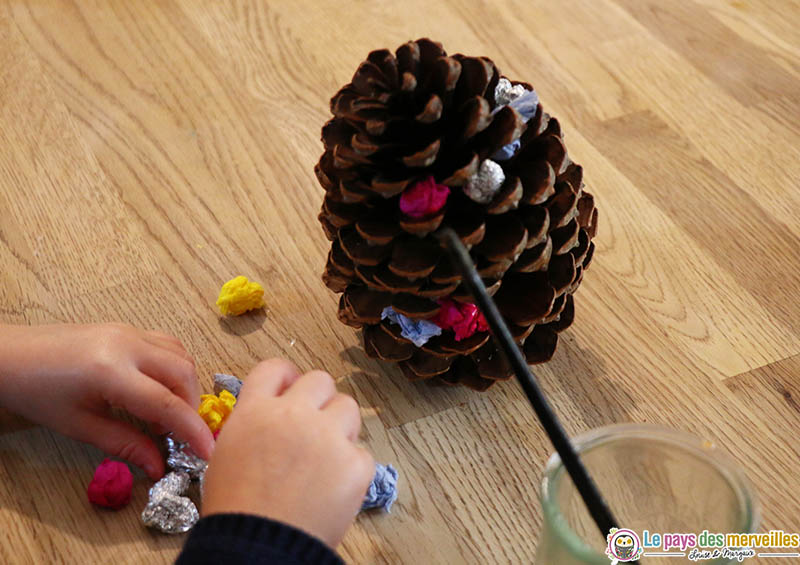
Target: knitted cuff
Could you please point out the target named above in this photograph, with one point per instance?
(243, 538)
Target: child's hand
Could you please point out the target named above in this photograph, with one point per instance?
(287, 452)
(67, 377)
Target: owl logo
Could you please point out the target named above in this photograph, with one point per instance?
(623, 545)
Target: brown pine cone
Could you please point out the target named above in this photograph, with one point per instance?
(418, 113)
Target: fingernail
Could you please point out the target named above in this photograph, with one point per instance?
(150, 470)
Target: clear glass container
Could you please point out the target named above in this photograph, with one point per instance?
(653, 478)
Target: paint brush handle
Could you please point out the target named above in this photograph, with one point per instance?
(587, 488)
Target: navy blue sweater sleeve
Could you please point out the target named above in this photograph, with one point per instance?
(239, 539)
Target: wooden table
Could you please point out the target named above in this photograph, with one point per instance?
(149, 151)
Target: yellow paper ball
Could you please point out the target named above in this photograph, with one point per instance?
(215, 409)
(240, 295)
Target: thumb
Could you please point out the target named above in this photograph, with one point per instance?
(122, 440)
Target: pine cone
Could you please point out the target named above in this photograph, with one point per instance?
(420, 113)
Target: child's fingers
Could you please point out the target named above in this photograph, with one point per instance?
(151, 401)
(167, 342)
(157, 429)
(365, 467)
(344, 410)
(121, 439)
(175, 373)
(316, 387)
(271, 378)
(164, 337)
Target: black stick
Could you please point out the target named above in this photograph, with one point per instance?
(580, 476)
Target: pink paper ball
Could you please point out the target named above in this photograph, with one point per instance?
(112, 485)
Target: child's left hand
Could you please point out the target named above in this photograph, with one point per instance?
(68, 377)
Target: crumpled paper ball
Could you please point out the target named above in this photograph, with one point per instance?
(111, 485)
(382, 491)
(215, 409)
(463, 319)
(525, 102)
(230, 383)
(240, 295)
(167, 510)
(424, 198)
(485, 183)
(182, 459)
(418, 331)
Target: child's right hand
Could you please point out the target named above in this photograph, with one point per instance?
(288, 452)
(69, 376)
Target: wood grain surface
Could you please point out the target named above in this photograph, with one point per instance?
(149, 151)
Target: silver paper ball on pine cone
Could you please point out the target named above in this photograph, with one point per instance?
(484, 184)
